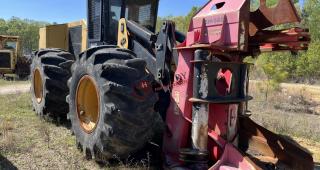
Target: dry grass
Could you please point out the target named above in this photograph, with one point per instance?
(7, 138)
(27, 142)
(291, 112)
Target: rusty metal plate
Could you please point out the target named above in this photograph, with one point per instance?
(255, 138)
(264, 17)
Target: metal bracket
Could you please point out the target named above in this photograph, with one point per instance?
(164, 51)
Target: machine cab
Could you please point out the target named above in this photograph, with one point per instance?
(104, 15)
(9, 50)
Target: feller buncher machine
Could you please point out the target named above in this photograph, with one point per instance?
(12, 62)
(116, 91)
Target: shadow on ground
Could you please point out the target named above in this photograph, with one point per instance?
(5, 164)
(58, 121)
(317, 166)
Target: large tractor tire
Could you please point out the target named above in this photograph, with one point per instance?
(50, 71)
(111, 103)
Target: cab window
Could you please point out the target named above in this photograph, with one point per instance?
(10, 45)
(114, 17)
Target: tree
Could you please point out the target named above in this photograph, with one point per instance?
(311, 18)
(272, 69)
(182, 22)
(308, 62)
(28, 30)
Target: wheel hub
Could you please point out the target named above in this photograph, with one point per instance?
(88, 104)
(37, 87)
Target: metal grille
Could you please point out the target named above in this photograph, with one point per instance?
(75, 40)
(143, 13)
(5, 60)
(94, 19)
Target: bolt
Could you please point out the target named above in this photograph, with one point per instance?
(82, 113)
(159, 74)
(178, 78)
(159, 47)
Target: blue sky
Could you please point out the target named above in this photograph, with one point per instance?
(72, 10)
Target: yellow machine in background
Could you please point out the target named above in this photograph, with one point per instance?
(12, 62)
(50, 68)
(65, 36)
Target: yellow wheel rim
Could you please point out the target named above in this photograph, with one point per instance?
(37, 87)
(87, 102)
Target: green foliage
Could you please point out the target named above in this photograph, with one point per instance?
(311, 18)
(308, 63)
(274, 69)
(254, 4)
(182, 22)
(28, 30)
(274, 74)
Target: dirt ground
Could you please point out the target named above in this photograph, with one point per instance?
(14, 89)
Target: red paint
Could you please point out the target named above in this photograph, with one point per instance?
(220, 29)
(232, 159)
(205, 28)
(179, 109)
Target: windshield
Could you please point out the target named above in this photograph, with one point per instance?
(114, 17)
(10, 45)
